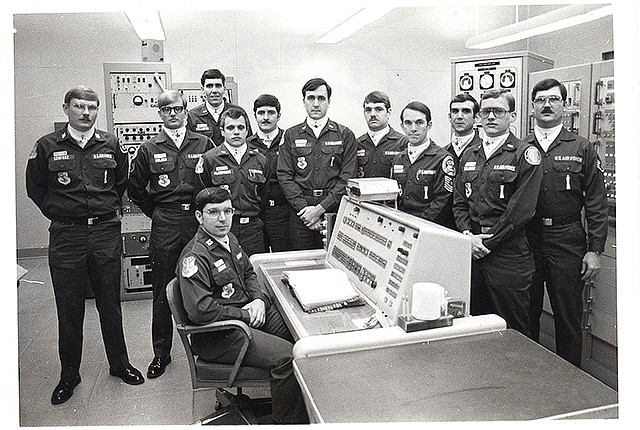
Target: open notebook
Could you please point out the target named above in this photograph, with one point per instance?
(321, 289)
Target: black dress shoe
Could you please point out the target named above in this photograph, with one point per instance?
(157, 366)
(129, 374)
(63, 391)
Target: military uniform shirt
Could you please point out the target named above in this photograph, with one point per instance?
(216, 283)
(307, 163)
(65, 180)
(200, 121)
(375, 161)
(427, 184)
(500, 193)
(163, 174)
(572, 178)
(245, 181)
(272, 193)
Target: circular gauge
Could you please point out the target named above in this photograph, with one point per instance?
(466, 83)
(137, 100)
(507, 79)
(486, 81)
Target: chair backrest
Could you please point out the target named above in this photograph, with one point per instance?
(174, 297)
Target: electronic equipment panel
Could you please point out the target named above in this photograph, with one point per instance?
(132, 91)
(385, 251)
(507, 71)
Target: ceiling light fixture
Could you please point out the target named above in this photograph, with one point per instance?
(364, 17)
(558, 19)
(146, 24)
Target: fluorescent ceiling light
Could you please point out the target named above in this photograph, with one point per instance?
(356, 22)
(146, 24)
(547, 22)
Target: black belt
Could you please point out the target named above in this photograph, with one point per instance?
(316, 193)
(558, 220)
(176, 206)
(85, 220)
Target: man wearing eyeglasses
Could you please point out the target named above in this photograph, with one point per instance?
(423, 170)
(495, 196)
(463, 109)
(245, 173)
(163, 184)
(566, 256)
(217, 282)
(76, 176)
(205, 117)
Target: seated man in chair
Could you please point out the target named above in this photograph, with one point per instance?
(218, 283)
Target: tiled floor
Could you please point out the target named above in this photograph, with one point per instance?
(100, 399)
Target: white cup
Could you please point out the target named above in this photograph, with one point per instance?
(428, 301)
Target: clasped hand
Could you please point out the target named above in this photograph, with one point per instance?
(257, 313)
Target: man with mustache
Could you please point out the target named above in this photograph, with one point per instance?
(495, 196)
(381, 143)
(275, 211)
(316, 159)
(565, 255)
(76, 176)
(163, 184)
(205, 117)
(424, 170)
(244, 172)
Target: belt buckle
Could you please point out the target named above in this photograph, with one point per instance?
(91, 220)
(185, 206)
(547, 221)
(485, 230)
(317, 193)
(244, 220)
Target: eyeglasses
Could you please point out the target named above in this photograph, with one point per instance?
(82, 106)
(167, 109)
(497, 112)
(541, 101)
(217, 212)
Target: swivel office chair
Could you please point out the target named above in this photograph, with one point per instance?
(205, 374)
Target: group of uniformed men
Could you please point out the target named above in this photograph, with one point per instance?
(521, 202)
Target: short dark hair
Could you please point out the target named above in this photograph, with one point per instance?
(547, 84)
(212, 195)
(465, 97)
(234, 113)
(170, 96)
(314, 84)
(211, 74)
(81, 92)
(496, 94)
(377, 97)
(266, 100)
(417, 106)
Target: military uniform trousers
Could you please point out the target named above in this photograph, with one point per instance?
(276, 227)
(558, 253)
(250, 233)
(501, 282)
(302, 237)
(271, 348)
(80, 254)
(171, 230)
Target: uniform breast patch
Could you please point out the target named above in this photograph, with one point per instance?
(532, 156)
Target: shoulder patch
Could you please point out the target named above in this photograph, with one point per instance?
(189, 266)
(448, 166)
(532, 155)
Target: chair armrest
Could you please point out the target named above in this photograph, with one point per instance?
(217, 326)
(242, 327)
